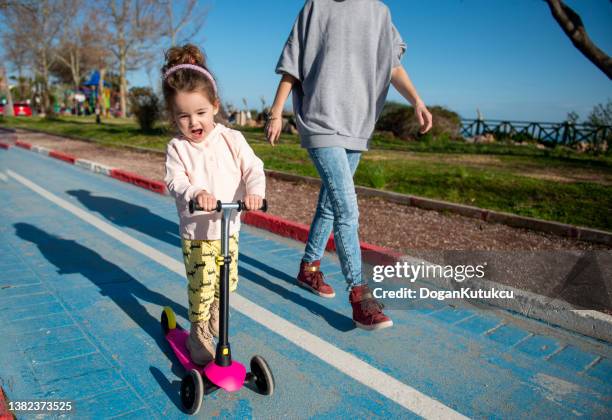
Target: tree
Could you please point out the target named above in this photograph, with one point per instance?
(601, 115)
(572, 25)
(572, 117)
(134, 27)
(16, 53)
(99, 52)
(75, 54)
(190, 14)
(38, 25)
(4, 84)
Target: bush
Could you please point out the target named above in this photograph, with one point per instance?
(144, 105)
(601, 115)
(401, 121)
(523, 138)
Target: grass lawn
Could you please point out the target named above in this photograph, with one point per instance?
(557, 184)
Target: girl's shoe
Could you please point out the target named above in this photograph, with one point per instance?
(200, 344)
(367, 312)
(310, 277)
(213, 321)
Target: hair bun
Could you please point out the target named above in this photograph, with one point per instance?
(187, 54)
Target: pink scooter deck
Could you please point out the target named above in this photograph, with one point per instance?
(230, 378)
(177, 338)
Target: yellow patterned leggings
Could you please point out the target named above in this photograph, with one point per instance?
(203, 274)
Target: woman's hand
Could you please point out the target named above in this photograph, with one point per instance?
(273, 128)
(208, 202)
(423, 116)
(401, 81)
(274, 125)
(253, 202)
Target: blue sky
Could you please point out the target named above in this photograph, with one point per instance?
(509, 58)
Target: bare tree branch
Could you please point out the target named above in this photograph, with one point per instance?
(71, 47)
(572, 25)
(134, 28)
(193, 13)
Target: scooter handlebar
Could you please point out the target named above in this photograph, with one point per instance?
(239, 206)
(242, 206)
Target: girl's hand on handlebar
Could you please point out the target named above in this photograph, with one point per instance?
(253, 202)
(207, 201)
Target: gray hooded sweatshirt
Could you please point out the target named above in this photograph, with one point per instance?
(342, 52)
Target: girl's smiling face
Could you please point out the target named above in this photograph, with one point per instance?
(194, 115)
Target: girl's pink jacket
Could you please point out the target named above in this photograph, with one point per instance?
(224, 165)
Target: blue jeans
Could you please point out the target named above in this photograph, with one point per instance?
(337, 210)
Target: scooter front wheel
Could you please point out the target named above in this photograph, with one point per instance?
(192, 392)
(264, 380)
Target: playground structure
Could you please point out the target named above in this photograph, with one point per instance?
(86, 99)
(68, 100)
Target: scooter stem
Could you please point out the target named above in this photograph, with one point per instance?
(223, 356)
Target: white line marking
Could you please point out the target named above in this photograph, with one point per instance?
(345, 362)
(3, 177)
(110, 230)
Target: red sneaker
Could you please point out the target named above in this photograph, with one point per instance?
(367, 312)
(310, 277)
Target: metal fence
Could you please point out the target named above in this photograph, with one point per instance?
(565, 133)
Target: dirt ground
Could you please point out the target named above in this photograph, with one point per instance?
(529, 260)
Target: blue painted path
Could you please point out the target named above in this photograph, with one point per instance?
(80, 321)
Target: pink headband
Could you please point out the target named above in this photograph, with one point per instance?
(192, 67)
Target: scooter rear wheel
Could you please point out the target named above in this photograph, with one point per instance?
(264, 380)
(168, 320)
(192, 392)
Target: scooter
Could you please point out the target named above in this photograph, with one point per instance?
(222, 372)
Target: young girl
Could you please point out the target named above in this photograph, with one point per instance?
(339, 60)
(205, 162)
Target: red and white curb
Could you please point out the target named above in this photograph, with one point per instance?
(5, 413)
(125, 176)
(94, 166)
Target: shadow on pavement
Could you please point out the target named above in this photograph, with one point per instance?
(70, 257)
(130, 215)
(333, 318)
